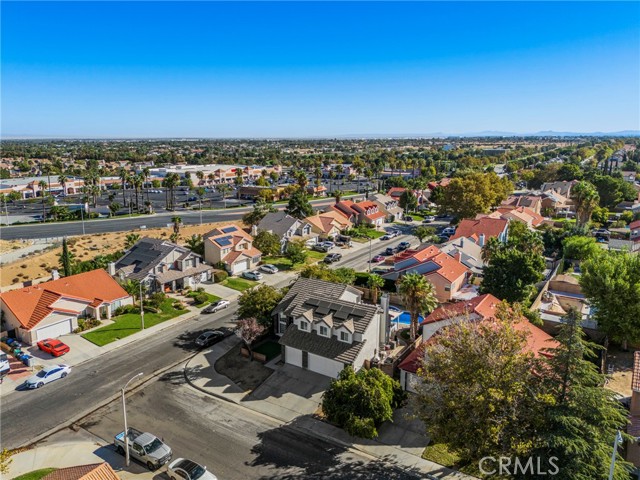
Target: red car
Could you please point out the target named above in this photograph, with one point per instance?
(54, 347)
(377, 258)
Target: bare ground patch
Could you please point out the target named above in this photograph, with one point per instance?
(243, 372)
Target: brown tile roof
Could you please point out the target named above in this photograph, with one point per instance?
(94, 471)
(32, 304)
(450, 268)
(484, 306)
(490, 227)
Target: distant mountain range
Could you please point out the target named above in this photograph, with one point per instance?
(485, 133)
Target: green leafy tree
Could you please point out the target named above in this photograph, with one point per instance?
(114, 207)
(580, 248)
(130, 240)
(570, 171)
(408, 201)
(418, 295)
(600, 215)
(423, 232)
(196, 244)
(474, 193)
(512, 274)
(580, 418)
(268, 243)
(260, 210)
(321, 271)
(611, 283)
(375, 283)
(296, 251)
(474, 394)
(258, 302)
(66, 259)
(361, 402)
(586, 198)
(299, 206)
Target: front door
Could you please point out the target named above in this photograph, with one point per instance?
(305, 360)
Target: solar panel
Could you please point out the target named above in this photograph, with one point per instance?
(324, 303)
(341, 315)
(224, 241)
(229, 229)
(358, 313)
(322, 310)
(313, 301)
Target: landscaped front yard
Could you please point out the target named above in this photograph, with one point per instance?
(36, 474)
(130, 323)
(283, 263)
(210, 298)
(240, 284)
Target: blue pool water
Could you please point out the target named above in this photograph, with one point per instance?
(405, 318)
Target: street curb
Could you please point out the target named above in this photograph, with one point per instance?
(146, 379)
(216, 395)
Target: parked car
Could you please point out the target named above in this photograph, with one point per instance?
(47, 375)
(343, 240)
(408, 218)
(429, 219)
(183, 469)
(214, 307)
(328, 244)
(602, 232)
(255, 275)
(403, 246)
(320, 248)
(333, 257)
(386, 237)
(395, 233)
(144, 447)
(53, 346)
(377, 258)
(268, 268)
(5, 366)
(209, 337)
(391, 250)
(449, 231)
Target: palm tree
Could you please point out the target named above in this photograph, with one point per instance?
(47, 170)
(375, 282)
(238, 179)
(210, 178)
(170, 182)
(586, 198)
(43, 193)
(62, 180)
(138, 182)
(199, 176)
(177, 221)
(223, 188)
(124, 177)
(146, 174)
(418, 295)
(130, 240)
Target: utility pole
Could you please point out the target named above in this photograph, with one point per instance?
(82, 217)
(369, 268)
(200, 198)
(141, 307)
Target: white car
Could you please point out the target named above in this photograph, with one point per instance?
(181, 468)
(47, 375)
(269, 268)
(214, 307)
(255, 275)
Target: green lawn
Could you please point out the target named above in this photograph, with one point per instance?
(129, 323)
(284, 263)
(210, 298)
(440, 453)
(36, 474)
(269, 349)
(240, 284)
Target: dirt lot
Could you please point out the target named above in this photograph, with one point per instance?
(245, 373)
(622, 364)
(86, 247)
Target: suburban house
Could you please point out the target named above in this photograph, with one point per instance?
(161, 265)
(478, 309)
(447, 274)
(361, 213)
(324, 327)
(317, 190)
(518, 214)
(343, 207)
(94, 471)
(328, 224)
(388, 205)
(533, 202)
(421, 195)
(51, 309)
(554, 203)
(466, 252)
(233, 247)
(285, 226)
(635, 230)
(479, 230)
(562, 187)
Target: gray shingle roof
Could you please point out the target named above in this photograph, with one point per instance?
(356, 315)
(277, 222)
(323, 346)
(303, 288)
(145, 255)
(171, 275)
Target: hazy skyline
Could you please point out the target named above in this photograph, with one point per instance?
(164, 69)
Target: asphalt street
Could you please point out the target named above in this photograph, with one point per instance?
(233, 442)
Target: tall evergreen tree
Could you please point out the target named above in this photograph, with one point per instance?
(66, 258)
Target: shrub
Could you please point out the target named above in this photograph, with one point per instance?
(156, 299)
(15, 280)
(199, 289)
(201, 297)
(125, 309)
(150, 309)
(220, 276)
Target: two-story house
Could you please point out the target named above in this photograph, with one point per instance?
(285, 226)
(479, 230)
(447, 274)
(51, 309)
(161, 265)
(326, 327)
(388, 205)
(361, 213)
(328, 224)
(233, 247)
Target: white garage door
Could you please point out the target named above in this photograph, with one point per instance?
(293, 356)
(324, 366)
(55, 330)
(240, 267)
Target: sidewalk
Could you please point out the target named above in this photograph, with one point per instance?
(400, 442)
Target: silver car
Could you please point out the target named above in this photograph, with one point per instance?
(269, 268)
(47, 375)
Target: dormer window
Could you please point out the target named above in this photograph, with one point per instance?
(304, 326)
(344, 337)
(324, 331)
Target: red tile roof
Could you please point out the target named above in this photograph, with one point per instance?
(634, 225)
(490, 227)
(375, 216)
(450, 268)
(484, 306)
(396, 191)
(95, 471)
(32, 304)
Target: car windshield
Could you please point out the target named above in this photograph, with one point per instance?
(41, 374)
(196, 472)
(151, 447)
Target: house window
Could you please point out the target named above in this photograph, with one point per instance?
(304, 326)
(324, 331)
(447, 288)
(344, 337)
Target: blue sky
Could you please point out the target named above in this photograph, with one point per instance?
(165, 69)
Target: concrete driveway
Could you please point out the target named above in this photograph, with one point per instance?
(288, 393)
(80, 351)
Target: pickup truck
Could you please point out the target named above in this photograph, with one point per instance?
(145, 448)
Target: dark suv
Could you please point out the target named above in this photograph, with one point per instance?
(333, 257)
(391, 250)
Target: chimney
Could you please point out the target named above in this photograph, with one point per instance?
(54, 274)
(111, 268)
(481, 240)
(254, 230)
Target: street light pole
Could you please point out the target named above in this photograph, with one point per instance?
(126, 427)
(200, 198)
(370, 254)
(141, 307)
(82, 217)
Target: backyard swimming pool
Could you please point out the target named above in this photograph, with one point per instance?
(405, 318)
